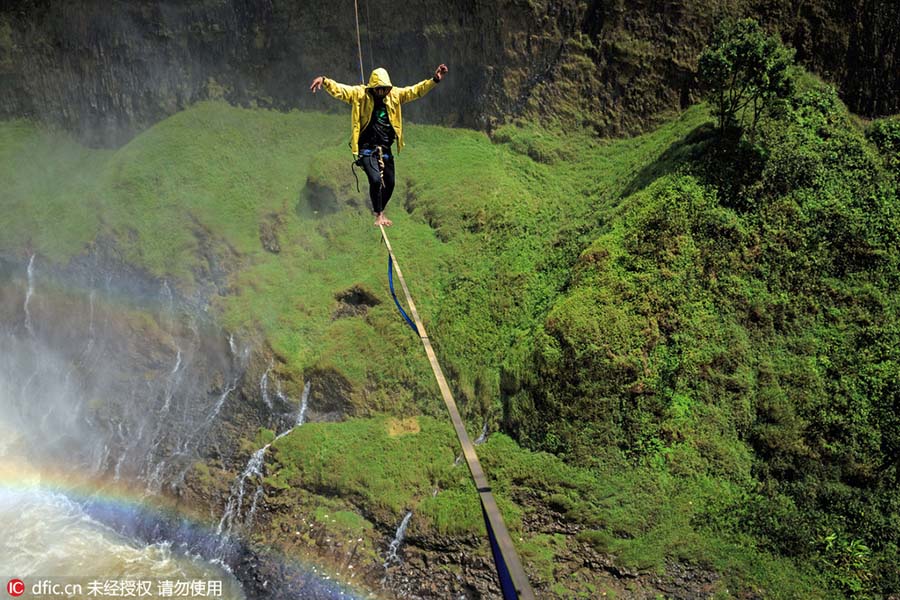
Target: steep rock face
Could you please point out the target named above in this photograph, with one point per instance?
(107, 71)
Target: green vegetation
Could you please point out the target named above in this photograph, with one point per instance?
(885, 134)
(386, 474)
(744, 71)
(741, 312)
(694, 339)
(642, 516)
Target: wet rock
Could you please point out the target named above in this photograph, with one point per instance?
(116, 69)
(268, 232)
(354, 301)
(330, 397)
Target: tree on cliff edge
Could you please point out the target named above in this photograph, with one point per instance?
(744, 71)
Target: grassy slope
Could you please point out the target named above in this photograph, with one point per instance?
(488, 243)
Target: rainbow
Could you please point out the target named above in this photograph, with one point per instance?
(135, 515)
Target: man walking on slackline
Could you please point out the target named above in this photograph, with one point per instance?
(375, 123)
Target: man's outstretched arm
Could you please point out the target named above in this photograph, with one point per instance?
(340, 91)
(407, 94)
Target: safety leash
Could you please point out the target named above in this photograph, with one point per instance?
(394, 296)
(513, 581)
(362, 77)
(353, 170)
(381, 165)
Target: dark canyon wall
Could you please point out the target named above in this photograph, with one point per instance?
(107, 69)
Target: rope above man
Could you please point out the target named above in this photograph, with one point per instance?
(376, 121)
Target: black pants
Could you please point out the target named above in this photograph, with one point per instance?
(377, 193)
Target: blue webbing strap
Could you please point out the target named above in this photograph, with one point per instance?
(506, 583)
(397, 302)
(370, 152)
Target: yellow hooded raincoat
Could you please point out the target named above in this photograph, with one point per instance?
(362, 104)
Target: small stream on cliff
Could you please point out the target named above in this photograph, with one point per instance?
(112, 388)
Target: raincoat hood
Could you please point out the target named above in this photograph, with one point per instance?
(379, 78)
(362, 103)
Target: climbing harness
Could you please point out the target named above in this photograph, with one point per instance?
(359, 163)
(513, 581)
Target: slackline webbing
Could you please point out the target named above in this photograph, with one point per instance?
(513, 581)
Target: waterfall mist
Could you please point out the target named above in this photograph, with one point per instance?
(112, 380)
(102, 384)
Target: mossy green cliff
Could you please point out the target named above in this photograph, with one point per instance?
(110, 70)
(689, 342)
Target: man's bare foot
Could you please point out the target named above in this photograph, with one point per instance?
(386, 222)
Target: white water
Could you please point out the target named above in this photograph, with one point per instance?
(239, 356)
(303, 403)
(28, 294)
(91, 323)
(397, 541)
(255, 469)
(89, 407)
(248, 522)
(172, 382)
(264, 386)
(215, 411)
(54, 538)
(49, 535)
(54, 411)
(478, 441)
(483, 437)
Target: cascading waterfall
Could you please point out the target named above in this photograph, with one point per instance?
(153, 475)
(478, 441)
(221, 402)
(190, 443)
(255, 469)
(399, 536)
(173, 381)
(80, 382)
(239, 356)
(264, 385)
(91, 318)
(72, 401)
(304, 401)
(167, 296)
(483, 437)
(90, 343)
(28, 294)
(124, 380)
